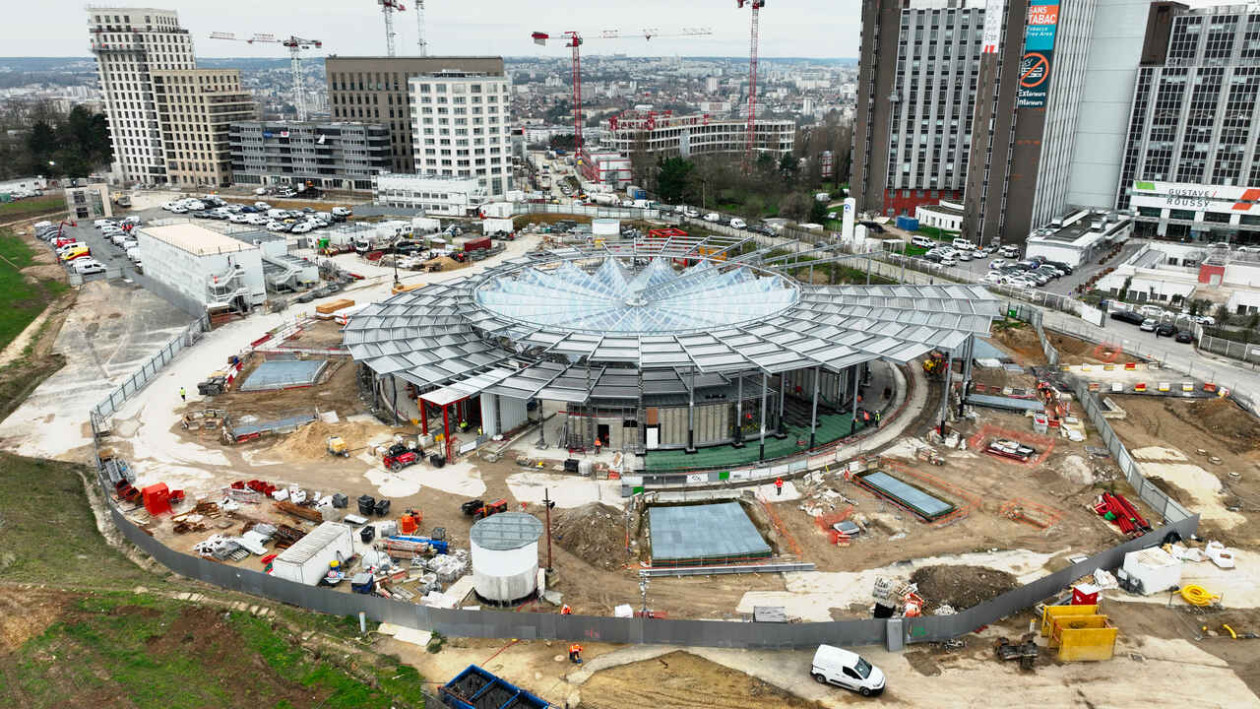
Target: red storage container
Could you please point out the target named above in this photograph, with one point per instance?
(1085, 594)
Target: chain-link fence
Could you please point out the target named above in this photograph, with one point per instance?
(146, 373)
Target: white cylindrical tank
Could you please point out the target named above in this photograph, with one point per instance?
(605, 227)
(505, 557)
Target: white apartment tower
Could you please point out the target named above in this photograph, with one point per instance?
(461, 127)
(130, 44)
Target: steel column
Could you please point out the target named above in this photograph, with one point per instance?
(739, 413)
(691, 414)
(813, 414)
(761, 455)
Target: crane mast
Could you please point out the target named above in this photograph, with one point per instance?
(295, 45)
(388, 8)
(424, 45)
(750, 140)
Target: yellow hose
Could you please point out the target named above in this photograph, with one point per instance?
(1196, 595)
(1232, 634)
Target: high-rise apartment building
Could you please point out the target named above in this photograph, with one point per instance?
(916, 99)
(168, 120)
(375, 90)
(196, 108)
(1018, 108)
(130, 44)
(461, 126)
(1192, 158)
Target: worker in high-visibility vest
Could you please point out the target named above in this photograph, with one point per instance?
(566, 610)
(575, 654)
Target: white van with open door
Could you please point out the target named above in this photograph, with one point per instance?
(833, 665)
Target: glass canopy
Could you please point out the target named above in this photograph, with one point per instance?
(656, 300)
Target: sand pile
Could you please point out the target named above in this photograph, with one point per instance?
(595, 533)
(309, 442)
(960, 586)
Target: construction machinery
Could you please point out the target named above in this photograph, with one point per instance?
(479, 510)
(750, 141)
(295, 45)
(935, 363)
(388, 8)
(216, 384)
(1025, 650)
(336, 445)
(399, 456)
(573, 40)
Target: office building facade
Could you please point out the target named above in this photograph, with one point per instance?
(461, 126)
(327, 155)
(663, 134)
(437, 196)
(1192, 160)
(375, 89)
(130, 44)
(196, 108)
(916, 97)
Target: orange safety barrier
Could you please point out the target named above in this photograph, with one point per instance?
(1130, 366)
(781, 528)
(1139, 387)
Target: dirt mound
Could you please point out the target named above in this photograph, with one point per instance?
(595, 533)
(1223, 418)
(1021, 341)
(960, 586)
(309, 441)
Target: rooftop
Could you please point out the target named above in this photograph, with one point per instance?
(197, 240)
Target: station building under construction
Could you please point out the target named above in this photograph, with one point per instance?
(661, 347)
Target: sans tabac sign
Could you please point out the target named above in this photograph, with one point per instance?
(1218, 199)
(1034, 66)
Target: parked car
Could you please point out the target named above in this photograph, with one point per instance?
(1203, 320)
(1165, 330)
(1184, 336)
(843, 668)
(87, 266)
(998, 263)
(737, 223)
(75, 253)
(1129, 316)
(1152, 311)
(963, 255)
(1149, 325)
(949, 261)
(964, 244)
(922, 242)
(341, 212)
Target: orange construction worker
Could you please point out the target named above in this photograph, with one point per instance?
(778, 486)
(566, 610)
(575, 654)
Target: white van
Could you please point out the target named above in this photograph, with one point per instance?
(964, 244)
(922, 242)
(737, 223)
(833, 665)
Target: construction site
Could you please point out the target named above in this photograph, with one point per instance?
(449, 449)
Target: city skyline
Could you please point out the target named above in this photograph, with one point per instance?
(462, 29)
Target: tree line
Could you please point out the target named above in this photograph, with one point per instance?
(46, 142)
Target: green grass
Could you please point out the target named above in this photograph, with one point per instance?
(938, 234)
(49, 532)
(31, 207)
(146, 651)
(21, 299)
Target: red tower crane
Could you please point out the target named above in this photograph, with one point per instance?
(750, 141)
(574, 41)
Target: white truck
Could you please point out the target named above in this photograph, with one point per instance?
(497, 226)
(605, 199)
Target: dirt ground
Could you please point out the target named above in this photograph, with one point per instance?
(318, 334)
(595, 532)
(682, 680)
(1066, 483)
(1218, 428)
(1023, 344)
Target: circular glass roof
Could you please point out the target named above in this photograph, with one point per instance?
(655, 300)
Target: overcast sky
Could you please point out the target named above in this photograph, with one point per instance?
(789, 28)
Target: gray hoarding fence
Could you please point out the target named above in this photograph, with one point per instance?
(1242, 351)
(142, 376)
